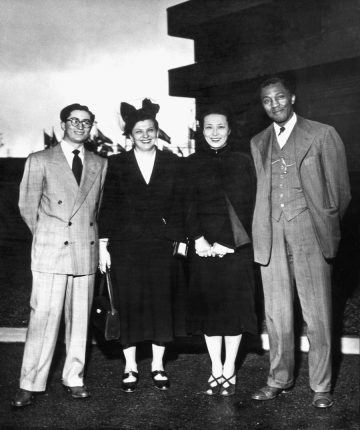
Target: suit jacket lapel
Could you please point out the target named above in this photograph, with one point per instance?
(303, 140)
(264, 146)
(134, 173)
(157, 170)
(90, 172)
(61, 169)
(265, 149)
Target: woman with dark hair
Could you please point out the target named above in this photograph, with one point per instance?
(141, 217)
(221, 290)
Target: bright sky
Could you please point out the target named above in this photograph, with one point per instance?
(94, 52)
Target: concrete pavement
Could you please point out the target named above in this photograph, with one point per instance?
(184, 406)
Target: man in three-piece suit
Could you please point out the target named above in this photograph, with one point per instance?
(302, 193)
(60, 193)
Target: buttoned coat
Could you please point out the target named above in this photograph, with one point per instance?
(61, 215)
(131, 208)
(322, 169)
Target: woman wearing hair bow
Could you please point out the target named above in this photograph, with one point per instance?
(141, 217)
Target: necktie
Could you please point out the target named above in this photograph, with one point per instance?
(77, 166)
(281, 130)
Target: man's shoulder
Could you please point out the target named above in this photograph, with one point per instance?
(97, 157)
(43, 154)
(312, 126)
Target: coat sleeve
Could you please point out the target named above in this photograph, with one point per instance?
(178, 204)
(31, 189)
(336, 172)
(103, 177)
(110, 188)
(192, 219)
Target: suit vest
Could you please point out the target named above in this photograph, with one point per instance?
(286, 192)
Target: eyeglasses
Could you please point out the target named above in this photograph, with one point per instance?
(75, 122)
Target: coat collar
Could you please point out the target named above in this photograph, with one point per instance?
(156, 169)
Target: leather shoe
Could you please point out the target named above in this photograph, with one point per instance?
(129, 387)
(78, 392)
(267, 393)
(160, 384)
(322, 400)
(22, 398)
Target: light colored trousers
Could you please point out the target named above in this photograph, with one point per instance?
(296, 256)
(51, 293)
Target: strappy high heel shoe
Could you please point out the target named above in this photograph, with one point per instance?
(129, 387)
(229, 390)
(214, 389)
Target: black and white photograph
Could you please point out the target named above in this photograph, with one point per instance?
(180, 214)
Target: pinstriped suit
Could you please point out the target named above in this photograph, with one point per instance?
(300, 248)
(62, 218)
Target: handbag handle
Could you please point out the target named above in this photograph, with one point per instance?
(106, 276)
(110, 291)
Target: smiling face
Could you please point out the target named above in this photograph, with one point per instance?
(144, 135)
(76, 135)
(278, 102)
(216, 130)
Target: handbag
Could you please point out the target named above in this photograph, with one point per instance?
(181, 248)
(105, 318)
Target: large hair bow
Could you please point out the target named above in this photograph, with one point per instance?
(128, 111)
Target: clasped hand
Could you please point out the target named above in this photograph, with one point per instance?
(204, 249)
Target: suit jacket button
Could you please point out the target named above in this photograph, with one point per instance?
(70, 223)
(59, 202)
(91, 224)
(92, 242)
(66, 243)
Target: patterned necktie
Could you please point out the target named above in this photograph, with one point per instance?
(282, 129)
(77, 166)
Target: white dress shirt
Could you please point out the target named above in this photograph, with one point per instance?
(283, 136)
(68, 149)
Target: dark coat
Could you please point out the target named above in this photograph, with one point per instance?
(211, 175)
(131, 208)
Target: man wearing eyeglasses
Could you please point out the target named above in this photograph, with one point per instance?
(60, 194)
(302, 194)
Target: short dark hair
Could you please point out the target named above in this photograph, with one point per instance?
(64, 114)
(279, 79)
(219, 109)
